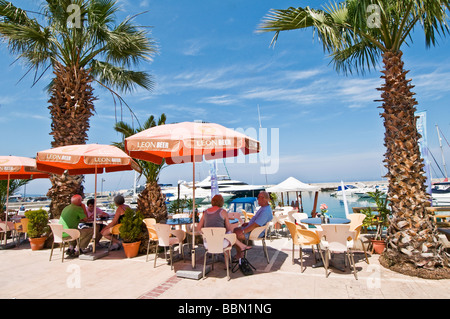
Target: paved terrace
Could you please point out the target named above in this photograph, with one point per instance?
(28, 274)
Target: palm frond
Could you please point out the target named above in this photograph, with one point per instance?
(125, 129)
(149, 170)
(118, 77)
(358, 57)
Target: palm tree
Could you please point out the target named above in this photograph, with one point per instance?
(80, 41)
(14, 185)
(151, 202)
(357, 33)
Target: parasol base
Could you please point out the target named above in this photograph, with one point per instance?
(193, 273)
(93, 256)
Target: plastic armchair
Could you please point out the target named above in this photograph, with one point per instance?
(357, 230)
(215, 239)
(168, 237)
(58, 238)
(21, 228)
(277, 219)
(303, 237)
(338, 238)
(254, 236)
(298, 217)
(152, 235)
(247, 215)
(115, 231)
(356, 219)
(5, 228)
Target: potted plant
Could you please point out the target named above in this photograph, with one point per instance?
(37, 228)
(380, 220)
(131, 232)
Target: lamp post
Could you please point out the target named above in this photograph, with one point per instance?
(101, 191)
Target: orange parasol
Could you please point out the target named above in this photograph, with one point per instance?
(17, 167)
(85, 159)
(188, 142)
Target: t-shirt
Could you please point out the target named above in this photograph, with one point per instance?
(90, 214)
(71, 216)
(262, 217)
(214, 219)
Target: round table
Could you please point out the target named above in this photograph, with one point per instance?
(318, 221)
(184, 221)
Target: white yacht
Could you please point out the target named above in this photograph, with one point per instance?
(440, 193)
(230, 186)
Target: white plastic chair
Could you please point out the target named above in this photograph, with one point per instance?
(298, 217)
(356, 219)
(357, 230)
(254, 236)
(168, 237)
(57, 230)
(215, 239)
(338, 238)
(277, 219)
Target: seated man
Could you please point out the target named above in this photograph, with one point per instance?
(71, 216)
(261, 218)
(89, 211)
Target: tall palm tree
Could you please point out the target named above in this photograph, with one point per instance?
(357, 33)
(151, 202)
(82, 44)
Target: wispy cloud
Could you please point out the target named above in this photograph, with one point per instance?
(193, 47)
(220, 100)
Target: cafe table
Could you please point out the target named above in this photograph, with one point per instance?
(186, 221)
(319, 221)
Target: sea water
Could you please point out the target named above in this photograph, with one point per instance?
(336, 206)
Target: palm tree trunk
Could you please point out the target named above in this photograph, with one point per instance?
(152, 203)
(71, 106)
(412, 237)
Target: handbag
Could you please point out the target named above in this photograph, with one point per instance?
(244, 266)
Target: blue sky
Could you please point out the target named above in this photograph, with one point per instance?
(321, 126)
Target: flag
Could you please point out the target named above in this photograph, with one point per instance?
(213, 176)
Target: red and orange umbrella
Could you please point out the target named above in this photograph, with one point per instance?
(188, 142)
(85, 159)
(17, 167)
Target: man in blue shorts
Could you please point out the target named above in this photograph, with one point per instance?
(261, 218)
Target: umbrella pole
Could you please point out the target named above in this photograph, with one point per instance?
(95, 210)
(193, 213)
(6, 210)
(315, 204)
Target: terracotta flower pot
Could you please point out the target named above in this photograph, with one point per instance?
(131, 249)
(37, 243)
(378, 246)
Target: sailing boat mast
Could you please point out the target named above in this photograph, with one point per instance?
(265, 169)
(442, 152)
